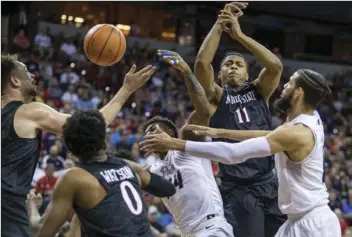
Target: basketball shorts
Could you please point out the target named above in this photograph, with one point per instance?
(321, 222)
(215, 227)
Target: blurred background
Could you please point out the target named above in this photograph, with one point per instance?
(48, 38)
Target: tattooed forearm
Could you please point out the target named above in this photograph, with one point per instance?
(197, 94)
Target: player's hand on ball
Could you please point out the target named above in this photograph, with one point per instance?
(202, 130)
(135, 80)
(229, 19)
(159, 141)
(175, 60)
(34, 199)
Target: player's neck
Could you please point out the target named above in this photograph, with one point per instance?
(99, 157)
(294, 112)
(9, 97)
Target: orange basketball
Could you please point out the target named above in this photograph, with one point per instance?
(104, 45)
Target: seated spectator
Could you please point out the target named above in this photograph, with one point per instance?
(21, 41)
(68, 47)
(43, 44)
(70, 95)
(54, 158)
(68, 77)
(84, 101)
(38, 174)
(45, 185)
(347, 203)
(153, 218)
(55, 92)
(123, 142)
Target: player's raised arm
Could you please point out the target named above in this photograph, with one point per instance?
(202, 113)
(152, 183)
(43, 117)
(269, 77)
(238, 135)
(229, 153)
(203, 69)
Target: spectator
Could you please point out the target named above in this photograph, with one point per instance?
(21, 41)
(55, 92)
(43, 44)
(70, 95)
(68, 164)
(69, 77)
(84, 101)
(54, 158)
(123, 143)
(347, 203)
(68, 47)
(153, 218)
(46, 184)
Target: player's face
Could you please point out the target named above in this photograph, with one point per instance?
(27, 87)
(286, 99)
(233, 71)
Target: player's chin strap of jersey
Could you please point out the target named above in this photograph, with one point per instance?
(159, 186)
(230, 153)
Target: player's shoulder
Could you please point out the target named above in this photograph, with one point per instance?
(32, 110)
(297, 134)
(76, 176)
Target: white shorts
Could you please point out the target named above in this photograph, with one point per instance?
(321, 222)
(215, 227)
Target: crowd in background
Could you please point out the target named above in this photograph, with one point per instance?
(67, 81)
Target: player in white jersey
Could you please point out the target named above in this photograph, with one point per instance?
(298, 145)
(197, 204)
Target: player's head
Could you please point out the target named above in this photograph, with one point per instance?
(166, 125)
(305, 88)
(233, 70)
(84, 134)
(16, 79)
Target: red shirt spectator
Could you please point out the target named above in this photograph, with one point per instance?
(46, 184)
(21, 40)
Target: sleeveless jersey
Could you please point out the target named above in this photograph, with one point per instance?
(243, 110)
(122, 212)
(19, 158)
(301, 185)
(197, 194)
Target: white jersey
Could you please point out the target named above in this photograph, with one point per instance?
(197, 194)
(301, 186)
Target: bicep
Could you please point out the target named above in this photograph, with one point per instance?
(285, 138)
(267, 82)
(48, 119)
(58, 209)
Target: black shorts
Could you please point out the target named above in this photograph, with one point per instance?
(14, 218)
(253, 211)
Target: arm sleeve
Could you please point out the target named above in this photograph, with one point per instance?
(230, 153)
(160, 187)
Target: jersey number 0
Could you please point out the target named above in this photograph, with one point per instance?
(126, 197)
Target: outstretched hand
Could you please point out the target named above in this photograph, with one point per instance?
(202, 130)
(135, 80)
(34, 199)
(157, 142)
(175, 60)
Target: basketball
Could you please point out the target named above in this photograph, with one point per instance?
(104, 45)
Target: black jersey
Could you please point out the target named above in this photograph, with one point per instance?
(122, 212)
(19, 158)
(243, 110)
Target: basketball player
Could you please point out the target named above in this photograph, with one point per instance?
(21, 124)
(104, 191)
(197, 204)
(249, 190)
(298, 146)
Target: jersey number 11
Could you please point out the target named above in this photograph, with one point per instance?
(239, 115)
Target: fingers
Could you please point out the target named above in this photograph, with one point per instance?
(157, 127)
(194, 127)
(133, 69)
(240, 5)
(171, 59)
(166, 53)
(144, 70)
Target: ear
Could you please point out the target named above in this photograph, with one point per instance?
(219, 75)
(15, 82)
(246, 76)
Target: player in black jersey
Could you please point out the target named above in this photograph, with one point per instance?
(249, 190)
(104, 191)
(21, 124)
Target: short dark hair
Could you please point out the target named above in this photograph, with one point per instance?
(8, 65)
(125, 154)
(165, 121)
(234, 54)
(315, 86)
(84, 133)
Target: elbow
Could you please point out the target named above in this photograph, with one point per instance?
(276, 66)
(201, 60)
